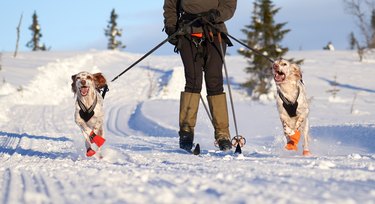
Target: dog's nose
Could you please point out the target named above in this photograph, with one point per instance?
(275, 66)
(83, 82)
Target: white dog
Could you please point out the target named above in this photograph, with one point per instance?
(292, 103)
(89, 113)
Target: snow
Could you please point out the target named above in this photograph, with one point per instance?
(42, 150)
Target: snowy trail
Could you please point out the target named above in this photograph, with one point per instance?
(42, 156)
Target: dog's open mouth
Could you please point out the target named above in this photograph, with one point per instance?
(279, 76)
(84, 90)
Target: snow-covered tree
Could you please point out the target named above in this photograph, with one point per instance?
(35, 28)
(264, 35)
(112, 32)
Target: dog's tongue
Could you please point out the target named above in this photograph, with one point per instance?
(84, 90)
(279, 77)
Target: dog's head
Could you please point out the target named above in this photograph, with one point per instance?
(83, 82)
(283, 71)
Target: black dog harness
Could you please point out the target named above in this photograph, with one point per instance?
(291, 108)
(87, 113)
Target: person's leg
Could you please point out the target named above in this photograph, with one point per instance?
(193, 62)
(213, 68)
(189, 99)
(215, 95)
(189, 103)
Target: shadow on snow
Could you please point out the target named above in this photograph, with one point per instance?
(141, 123)
(347, 86)
(6, 138)
(344, 139)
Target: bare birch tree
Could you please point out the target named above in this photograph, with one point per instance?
(18, 36)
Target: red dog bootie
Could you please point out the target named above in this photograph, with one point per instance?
(97, 139)
(293, 141)
(90, 152)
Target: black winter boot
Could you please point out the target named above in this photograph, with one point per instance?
(224, 144)
(186, 140)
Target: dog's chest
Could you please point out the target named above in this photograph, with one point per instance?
(87, 107)
(289, 101)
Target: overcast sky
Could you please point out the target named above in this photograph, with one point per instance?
(76, 25)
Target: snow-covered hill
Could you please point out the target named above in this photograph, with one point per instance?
(42, 150)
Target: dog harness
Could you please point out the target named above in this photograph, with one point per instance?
(291, 108)
(87, 113)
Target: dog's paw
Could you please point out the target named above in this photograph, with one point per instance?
(306, 153)
(90, 152)
(291, 146)
(98, 140)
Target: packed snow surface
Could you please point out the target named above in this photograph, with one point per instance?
(42, 151)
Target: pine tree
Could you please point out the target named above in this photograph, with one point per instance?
(112, 32)
(264, 35)
(35, 28)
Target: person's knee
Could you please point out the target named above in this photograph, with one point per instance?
(193, 89)
(216, 91)
(214, 86)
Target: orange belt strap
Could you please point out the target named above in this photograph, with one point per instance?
(198, 35)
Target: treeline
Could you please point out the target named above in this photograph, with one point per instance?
(112, 32)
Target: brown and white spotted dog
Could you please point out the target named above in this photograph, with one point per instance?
(89, 113)
(292, 103)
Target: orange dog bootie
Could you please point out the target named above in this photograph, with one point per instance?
(306, 153)
(293, 141)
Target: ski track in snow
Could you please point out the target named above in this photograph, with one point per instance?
(42, 150)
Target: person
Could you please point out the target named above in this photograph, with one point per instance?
(200, 27)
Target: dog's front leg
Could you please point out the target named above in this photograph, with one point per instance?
(306, 135)
(292, 135)
(286, 126)
(302, 124)
(80, 122)
(98, 127)
(84, 128)
(87, 139)
(302, 116)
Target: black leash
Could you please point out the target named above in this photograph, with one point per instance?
(243, 44)
(105, 90)
(181, 30)
(252, 49)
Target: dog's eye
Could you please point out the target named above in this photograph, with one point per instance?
(89, 77)
(283, 64)
(78, 78)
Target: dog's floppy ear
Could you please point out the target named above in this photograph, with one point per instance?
(99, 80)
(74, 88)
(297, 71)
